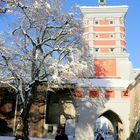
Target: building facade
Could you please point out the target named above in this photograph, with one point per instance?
(134, 89)
(103, 95)
(104, 33)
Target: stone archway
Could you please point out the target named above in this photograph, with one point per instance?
(117, 123)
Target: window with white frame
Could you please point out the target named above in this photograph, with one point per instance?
(111, 36)
(97, 35)
(111, 22)
(96, 22)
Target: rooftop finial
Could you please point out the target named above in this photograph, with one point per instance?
(101, 2)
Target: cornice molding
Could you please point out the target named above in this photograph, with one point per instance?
(111, 55)
(104, 11)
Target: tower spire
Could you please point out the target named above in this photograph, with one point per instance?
(101, 2)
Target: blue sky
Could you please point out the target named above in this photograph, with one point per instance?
(132, 24)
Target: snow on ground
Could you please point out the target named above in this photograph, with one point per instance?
(12, 138)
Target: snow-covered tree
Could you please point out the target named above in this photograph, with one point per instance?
(45, 45)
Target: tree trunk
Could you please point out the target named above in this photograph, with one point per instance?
(29, 98)
(25, 118)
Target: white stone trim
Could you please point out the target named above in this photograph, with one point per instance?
(106, 83)
(105, 39)
(103, 32)
(108, 47)
(104, 25)
(111, 55)
(111, 11)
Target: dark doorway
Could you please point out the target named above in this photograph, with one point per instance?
(58, 103)
(7, 110)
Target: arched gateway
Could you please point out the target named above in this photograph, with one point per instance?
(90, 108)
(117, 132)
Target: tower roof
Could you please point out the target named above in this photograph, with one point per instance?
(101, 2)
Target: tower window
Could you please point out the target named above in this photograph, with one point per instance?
(111, 49)
(96, 35)
(111, 22)
(96, 49)
(111, 36)
(96, 22)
